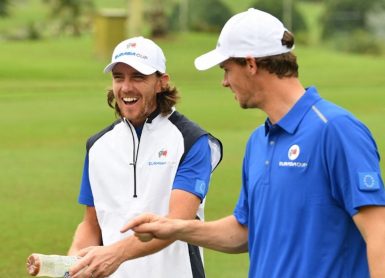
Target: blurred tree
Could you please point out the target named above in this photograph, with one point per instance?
(135, 17)
(4, 4)
(156, 15)
(199, 15)
(350, 26)
(285, 10)
(71, 14)
(344, 16)
(208, 15)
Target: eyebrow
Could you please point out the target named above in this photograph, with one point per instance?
(222, 65)
(116, 73)
(131, 73)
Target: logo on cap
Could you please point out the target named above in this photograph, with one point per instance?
(131, 45)
(130, 53)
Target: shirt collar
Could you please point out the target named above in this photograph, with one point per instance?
(153, 115)
(291, 120)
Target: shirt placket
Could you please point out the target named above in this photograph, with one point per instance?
(271, 143)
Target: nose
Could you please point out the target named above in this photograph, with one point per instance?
(225, 83)
(126, 85)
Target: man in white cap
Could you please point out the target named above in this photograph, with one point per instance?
(152, 159)
(312, 202)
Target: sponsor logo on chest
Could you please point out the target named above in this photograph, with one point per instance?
(292, 155)
(161, 158)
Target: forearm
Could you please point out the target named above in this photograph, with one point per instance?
(133, 248)
(225, 235)
(182, 205)
(376, 257)
(85, 235)
(370, 221)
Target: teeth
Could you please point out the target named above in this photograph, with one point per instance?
(130, 99)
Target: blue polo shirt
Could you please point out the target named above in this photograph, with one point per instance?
(303, 180)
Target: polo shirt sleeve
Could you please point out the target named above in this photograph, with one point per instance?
(352, 161)
(85, 195)
(193, 174)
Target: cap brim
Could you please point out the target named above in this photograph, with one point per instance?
(142, 68)
(209, 60)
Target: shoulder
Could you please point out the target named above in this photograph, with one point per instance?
(330, 112)
(191, 132)
(188, 128)
(337, 118)
(91, 141)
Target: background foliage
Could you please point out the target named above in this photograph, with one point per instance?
(277, 8)
(351, 25)
(347, 25)
(208, 15)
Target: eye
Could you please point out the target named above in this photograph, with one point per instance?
(117, 77)
(138, 76)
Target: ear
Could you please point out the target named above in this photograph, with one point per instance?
(163, 81)
(251, 65)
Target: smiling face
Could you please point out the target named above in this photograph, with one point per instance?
(240, 80)
(135, 93)
(235, 79)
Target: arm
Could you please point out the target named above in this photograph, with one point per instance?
(183, 205)
(87, 233)
(370, 220)
(225, 235)
(102, 261)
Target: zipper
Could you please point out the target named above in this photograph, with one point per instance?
(134, 155)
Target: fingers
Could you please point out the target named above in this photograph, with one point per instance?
(85, 273)
(139, 220)
(84, 251)
(78, 268)
(100, 262)
(82, 262)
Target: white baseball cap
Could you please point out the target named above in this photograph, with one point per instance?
(253, 33)
(140, 53)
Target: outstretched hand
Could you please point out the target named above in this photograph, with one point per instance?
(97, 262)
(148, 226)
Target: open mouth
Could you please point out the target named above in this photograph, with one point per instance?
(129, 100)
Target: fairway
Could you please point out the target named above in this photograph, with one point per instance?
(53, 97)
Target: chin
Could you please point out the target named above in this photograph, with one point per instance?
(243, 106)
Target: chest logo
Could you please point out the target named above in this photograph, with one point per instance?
(162, 153)
(293, 152)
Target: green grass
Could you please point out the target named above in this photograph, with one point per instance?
(52, 98)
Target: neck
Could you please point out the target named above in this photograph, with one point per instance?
(282, 96)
